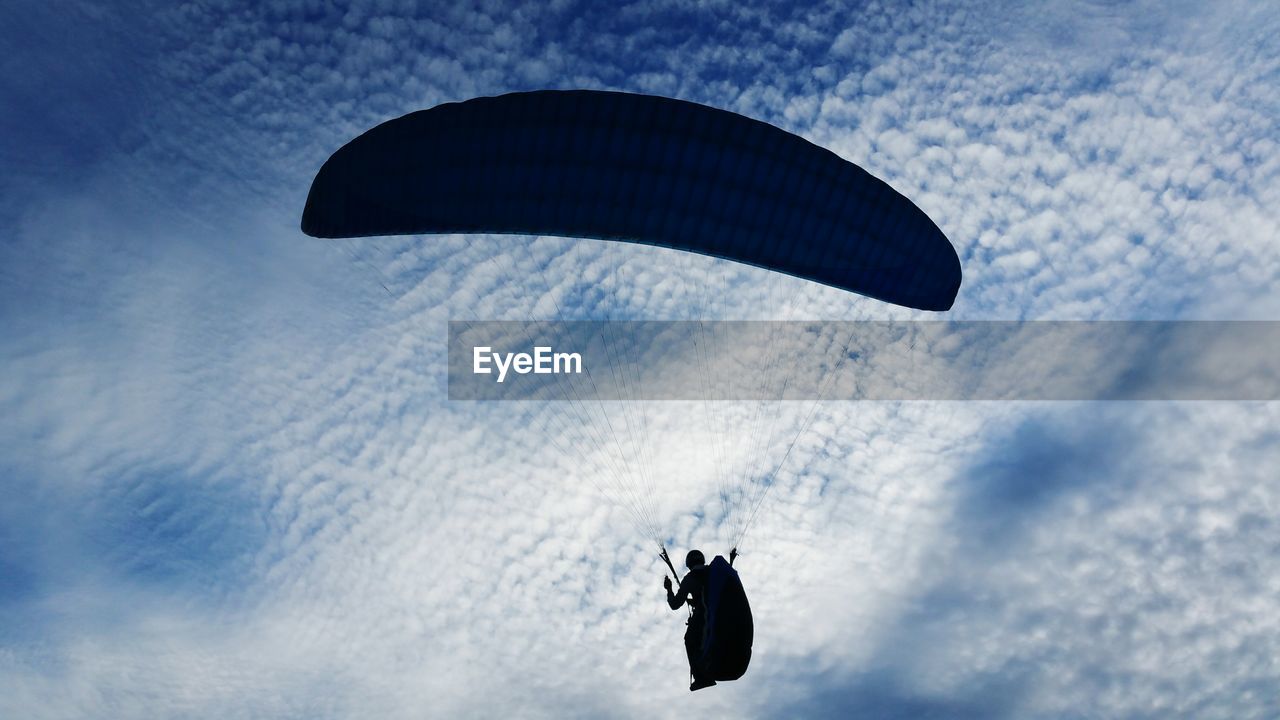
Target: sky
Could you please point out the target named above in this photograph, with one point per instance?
(234, 485)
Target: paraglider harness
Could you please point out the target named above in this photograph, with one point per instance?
(727, 628)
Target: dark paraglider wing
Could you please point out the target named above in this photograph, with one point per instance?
(641, 169)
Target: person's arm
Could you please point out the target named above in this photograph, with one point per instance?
(675, 600)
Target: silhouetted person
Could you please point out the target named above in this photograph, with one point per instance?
(692, 591)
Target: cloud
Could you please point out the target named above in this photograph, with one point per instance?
(234, 486)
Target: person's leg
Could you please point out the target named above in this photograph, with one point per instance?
(693, 648)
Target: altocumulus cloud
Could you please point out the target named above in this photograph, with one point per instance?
(234, 486)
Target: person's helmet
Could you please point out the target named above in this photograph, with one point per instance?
(694, 559)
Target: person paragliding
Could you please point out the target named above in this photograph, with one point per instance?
(693, 591)
(718, 638)
(655, 171)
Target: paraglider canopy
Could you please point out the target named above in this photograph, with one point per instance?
(642, 169)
